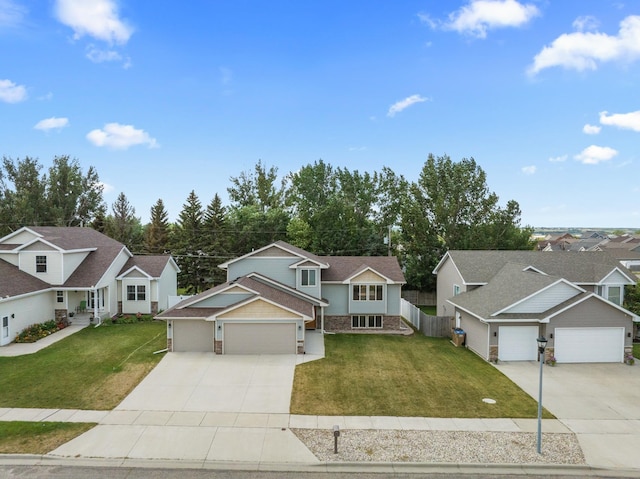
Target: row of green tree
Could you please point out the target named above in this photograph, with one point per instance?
(322, 209)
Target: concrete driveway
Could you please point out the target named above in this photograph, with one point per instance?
(598, 402)
(204, 382)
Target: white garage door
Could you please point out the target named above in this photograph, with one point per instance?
(259, 338)
(517, 343)
(192, 336)
(589, 345)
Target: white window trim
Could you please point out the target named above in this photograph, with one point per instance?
(367, 292)
(367, 319)
(309, 272)
(43, 263)
(5, 329)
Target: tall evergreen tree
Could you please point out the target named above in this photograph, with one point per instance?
(22, 194)
(157, 231)
(188, 246)
(218, 240)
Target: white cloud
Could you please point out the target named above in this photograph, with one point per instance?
(558, 159)
(96, 18)
(585, 50)
(585, 23)
(592, 155)
(12, 93)
(52, 123)
(591, 129)
(120, 137)
(627, 121)
(529, 170)
(11, 14)
(398, 106)
(97, 55)
(481, 15)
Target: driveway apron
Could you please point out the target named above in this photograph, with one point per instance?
(202, 382)
(600, 403)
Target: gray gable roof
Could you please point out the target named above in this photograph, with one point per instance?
(153, 265)
(342, 268)
(14, 282)
(588, 267)
(509, 285)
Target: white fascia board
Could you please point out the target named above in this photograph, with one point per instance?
(468, 311)
(259, 298)
(134, 268)
(368, 268)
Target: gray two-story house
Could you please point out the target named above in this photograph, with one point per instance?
(275, 294)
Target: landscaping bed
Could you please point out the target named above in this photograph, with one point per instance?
(35, 332)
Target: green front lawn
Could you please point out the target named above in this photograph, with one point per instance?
(383, 375)
(92, 369)
(37, 437)
(636, 350)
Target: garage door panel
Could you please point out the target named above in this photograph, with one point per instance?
(589, 345)
(192, 336)
(517, 343)
(260, 338)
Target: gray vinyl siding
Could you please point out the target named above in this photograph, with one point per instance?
(546, 299)
(477, 334)
(393, 299)
(274, 268)
(338, 297)
(447, 277)
(592, 313)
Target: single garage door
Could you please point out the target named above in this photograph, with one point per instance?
(192, 336)
(589, 345)
(259, 338)
(517, 343)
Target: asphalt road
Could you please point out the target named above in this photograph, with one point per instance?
(75, 472)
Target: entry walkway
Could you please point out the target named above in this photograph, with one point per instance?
(21, 349)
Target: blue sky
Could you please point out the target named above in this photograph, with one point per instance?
(165, 97)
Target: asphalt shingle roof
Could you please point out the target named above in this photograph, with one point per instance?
(14, 282)
(153, 265)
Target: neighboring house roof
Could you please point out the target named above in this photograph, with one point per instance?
(342, 268)
(478, 267)
(14, 282)
(512, 283)
(153, 265)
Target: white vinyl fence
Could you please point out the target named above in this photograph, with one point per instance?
(433, 326)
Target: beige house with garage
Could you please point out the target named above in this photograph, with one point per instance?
(504, 300)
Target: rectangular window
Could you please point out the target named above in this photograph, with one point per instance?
(456, 289)
(5, 327)
(308, 277)
(136, 293)
(614, 294)
(366, 322)
(41, 264)
(60, 296)
(367, 292)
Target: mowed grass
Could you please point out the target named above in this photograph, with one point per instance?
(92, 369)
(636, 350)
(37, 437)
(383, 375)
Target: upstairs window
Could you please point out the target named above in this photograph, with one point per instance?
(367, 292)
(41, 264)
(308, 277)
(614, 294)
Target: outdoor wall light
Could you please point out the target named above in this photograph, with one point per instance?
(495, 333)
(169, 325)
(219, 327)
(13, 315)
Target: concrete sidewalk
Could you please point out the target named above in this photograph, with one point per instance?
(231, 437)
(21, 349)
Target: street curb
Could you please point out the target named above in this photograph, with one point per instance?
(329, 467)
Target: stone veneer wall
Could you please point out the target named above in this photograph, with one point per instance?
(169, 344)
(493, 354)
(61, 315)
(217, 346)
(154, 307)
(119, 307)
(343, 324)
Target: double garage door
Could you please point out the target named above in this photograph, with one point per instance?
(239, 338)
(571, 345)
(589, 345)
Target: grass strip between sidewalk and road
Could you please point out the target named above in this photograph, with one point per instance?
(388, 375)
